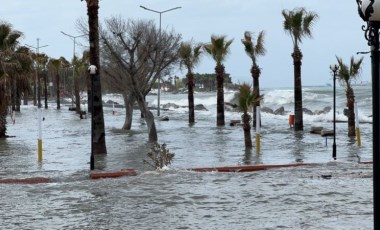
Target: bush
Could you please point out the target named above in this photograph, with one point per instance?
(159, 156)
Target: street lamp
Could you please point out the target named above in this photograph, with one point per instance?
(92, 70)
(334, 68)
(73, 37)
(38, 79)
(369, 11)
(159, 78)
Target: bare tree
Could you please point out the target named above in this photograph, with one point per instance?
(134, 59)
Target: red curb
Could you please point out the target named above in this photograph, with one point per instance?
(249, 168)
(366, 162)
(35, 180)
(123, 172)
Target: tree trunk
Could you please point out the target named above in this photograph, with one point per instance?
(76, 94)
(13, 93)
(219, 70)
(58, 91)
(149, 118)
(247, 130)
(255, 72)
(351, 112)
(3, 122)
(25, 97)
(35, 90)
(39, 91)
(190, 87)
(45, 90)
(129, 101)
(18, 101)
(298, 113)
(98, 133)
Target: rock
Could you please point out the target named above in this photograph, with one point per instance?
(307, 111)
(200, 107)
(326, 133)
(231, 107)
(164, 118)
(327, 109)
(345, 112)
(316, 130)
(267, 110)
(234, 122)
(280, 111)
(170, 105)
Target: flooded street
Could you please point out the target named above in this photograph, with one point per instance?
(332, 195)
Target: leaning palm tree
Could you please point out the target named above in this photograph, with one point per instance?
(9, 62)
(346, 74)
(298, 24)
(190, 57)
(253, 51)
(218, 49)
(20, 76)
(246, 99)
(98, 133)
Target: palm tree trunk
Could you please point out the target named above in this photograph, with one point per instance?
(58, 91)
(247, 130)
(98, 133)
(45, 90)
(39, 91)
(190, 87)
(255, 72)
(3, 122)
(351, 112)
(25, 97)
(18, 101)
(219, 70)
(35, 90)
(298, 112)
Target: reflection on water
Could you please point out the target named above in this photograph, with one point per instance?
(293, 198)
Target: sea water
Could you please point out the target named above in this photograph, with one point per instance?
(291, 198)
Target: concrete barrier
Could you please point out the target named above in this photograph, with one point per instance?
(34, 180)
(123, 172)
(249, 168)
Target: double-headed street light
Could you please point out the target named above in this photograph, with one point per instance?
(73, 37)
(159, 78)
(369, 11)
(38, 79)
(334, 68)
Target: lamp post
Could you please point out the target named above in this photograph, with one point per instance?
(369, 11)
(73, 37)
(38, 79)
(334, 68)
(159, 77)
(92, 70)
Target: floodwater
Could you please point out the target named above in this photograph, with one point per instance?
(331, 195)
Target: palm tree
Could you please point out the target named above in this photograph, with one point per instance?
(298, 24)
(190, 57)
(20, 76)
(9, 64)
(56, 65)
(346, 74)
(218, 49)
(253, 51)
(98, 131)
(247, 98)
(41, 60)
